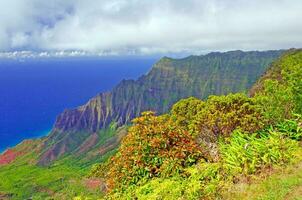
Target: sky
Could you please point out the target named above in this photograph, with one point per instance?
(147, 26)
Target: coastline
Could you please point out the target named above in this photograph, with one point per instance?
(38, 136)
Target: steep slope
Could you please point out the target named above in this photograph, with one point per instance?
(246, 138)
(167, 82)
(274, 72)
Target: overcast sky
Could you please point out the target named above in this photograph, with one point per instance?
(149, 26)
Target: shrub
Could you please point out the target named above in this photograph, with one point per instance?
(154, 147)
(292, 74)
(221, 115)
(202, 181)
(185, 110)
(276, 101)
(159, 157)
(280, 92)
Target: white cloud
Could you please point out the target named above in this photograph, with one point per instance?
(144, 26)
(19, 40)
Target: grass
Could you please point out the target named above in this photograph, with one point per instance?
(64, 179)
(59, 180)
(281, 184)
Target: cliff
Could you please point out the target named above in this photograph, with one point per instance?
(168, 81)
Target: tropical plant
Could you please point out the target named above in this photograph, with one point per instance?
(202, 181)
(221, 115)
(247, 153)
(154, 147)
(185, 110)
(291, 128)
(280, 90)
(170, 156)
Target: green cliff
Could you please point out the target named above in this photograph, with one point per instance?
(168, 81)
(216, 147)
(91, 133)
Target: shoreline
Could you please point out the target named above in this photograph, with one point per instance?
(42, 134)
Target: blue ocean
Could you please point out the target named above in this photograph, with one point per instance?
(34, 91)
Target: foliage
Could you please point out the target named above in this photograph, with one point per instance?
(284, 183)
(241, 154)
(281, 89)
(219, 115)
(60, 181)
(248, 153)
(154, 147)
(203, 180)
(163, 146)
(292, 75)
(291, 128)
(223, 114)
(185, 110)
(276, 101)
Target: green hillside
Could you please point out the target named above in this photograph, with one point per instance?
(201, 149)
(168, 81)
(198, 148)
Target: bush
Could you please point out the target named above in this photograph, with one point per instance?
(276, 101)
(240, 154)
(201, 181)
(163, 157)
(185, 111)
(280, 92)
(221, 115)
(154, 147)
(292, 75)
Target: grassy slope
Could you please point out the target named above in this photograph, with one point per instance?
(284, 183)
(64, 179)
(279, 184)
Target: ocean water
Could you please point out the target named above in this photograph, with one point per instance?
(34, 91)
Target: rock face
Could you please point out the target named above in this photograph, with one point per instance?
(168, 81)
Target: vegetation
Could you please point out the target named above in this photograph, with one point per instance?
(168, 81)
(248, 153)
(279, 90)
(219, 115)
(279, 184)
(201, 148)
(242, 154)
(63, 179)
(155, 147)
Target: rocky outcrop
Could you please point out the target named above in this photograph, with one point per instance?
(168, 81)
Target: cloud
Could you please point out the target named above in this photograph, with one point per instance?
(147, 27)
(60, 54)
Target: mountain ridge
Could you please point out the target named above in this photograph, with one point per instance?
(168, 81)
